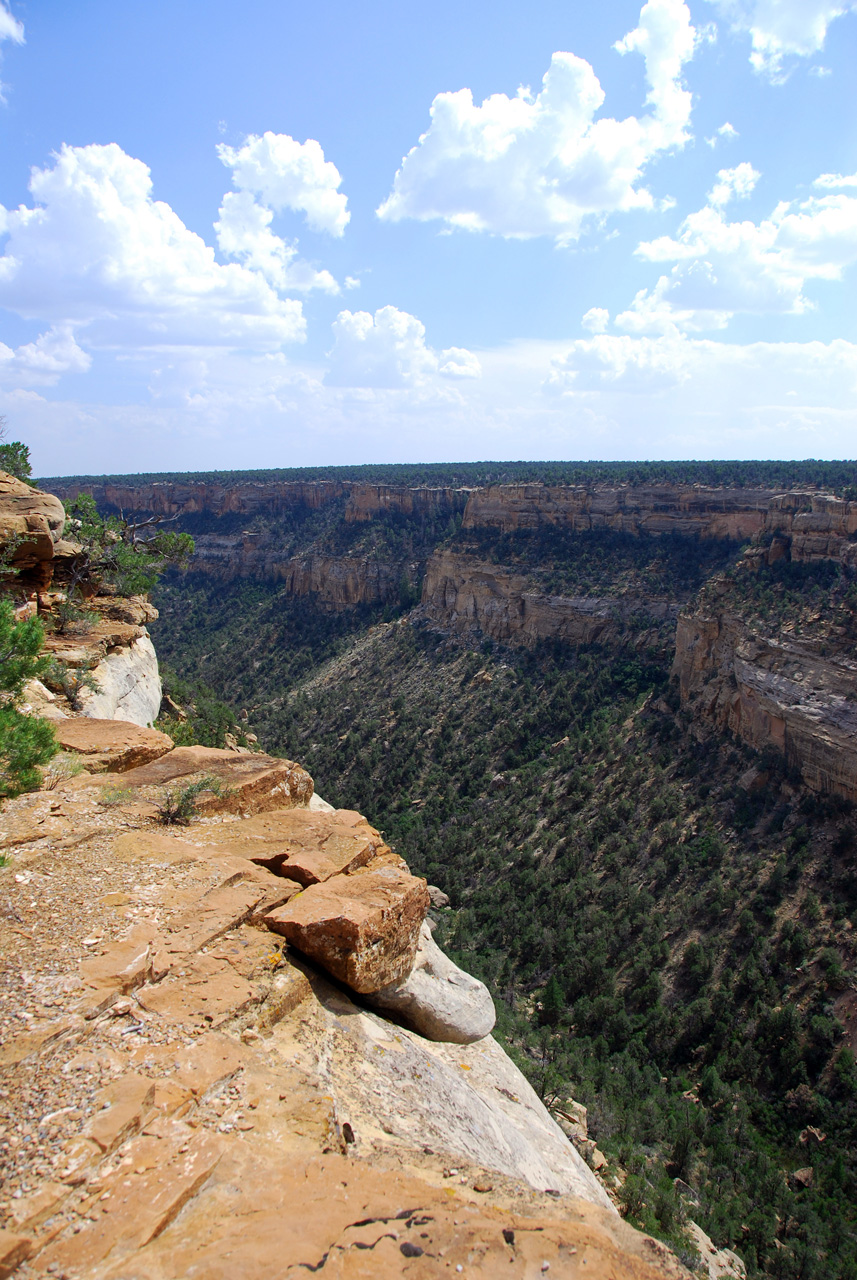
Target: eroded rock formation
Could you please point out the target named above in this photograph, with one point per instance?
(464, 595)
(215, 1105)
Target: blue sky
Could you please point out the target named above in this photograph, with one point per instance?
(294, 235)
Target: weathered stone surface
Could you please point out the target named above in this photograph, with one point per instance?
(14, 1247)
(437, 999)
(124, 1105)
(37, 519)
(129, 685)
(252, 783)
(461, 593)
(694, 510)
(773, 691)
(111, 746)
(718, 1264)
(203, 990)
(363, 928)
(341, 853)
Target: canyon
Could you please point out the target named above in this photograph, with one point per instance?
(797, 696)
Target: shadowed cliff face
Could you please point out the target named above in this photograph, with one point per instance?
(523, 563)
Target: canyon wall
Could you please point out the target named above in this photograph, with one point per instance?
(773, 691)
(462, 595)
(691, 510)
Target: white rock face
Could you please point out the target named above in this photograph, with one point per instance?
(468, 1101)
(437, 999)
(129, 686)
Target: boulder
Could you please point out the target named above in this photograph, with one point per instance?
(111, 746)
(363, 928)
(437, 999)
(34, 520)
(252, 783)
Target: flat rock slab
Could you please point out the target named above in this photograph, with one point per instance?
(112, 746)
(362, 928)
(251, 782)
(203, 990)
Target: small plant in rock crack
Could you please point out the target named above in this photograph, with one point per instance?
(73, 682)
(178, 805)
(60, 770)
(113, 794)
(70, 614)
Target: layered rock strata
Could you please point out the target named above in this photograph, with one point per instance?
(463, 595)
(779, 692)
(690, 510)
(194, 1078)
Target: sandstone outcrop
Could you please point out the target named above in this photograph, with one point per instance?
(691, 510)
(437, 999)
(783, 691)
(251, 783)
(111, 746)
(32, 522)
(463, 595)
(193, 1078)
(363, 929)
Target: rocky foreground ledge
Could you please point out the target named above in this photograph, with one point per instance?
(196, 1081)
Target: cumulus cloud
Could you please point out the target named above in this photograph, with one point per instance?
(244, 232)
(43, 362)
(389, 350)
(285, 174)
(766, 373)
(596, 319)
(541, 164)
(97, 256)
(726, 131)
(781, 30)
(722, 267)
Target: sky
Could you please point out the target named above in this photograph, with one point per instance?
(284, 235)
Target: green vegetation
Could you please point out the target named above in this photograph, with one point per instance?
(25, 741)
(663, 944)
(774, 474)
(177, 806)
(119, 555)
(201, 719)
(14, 456)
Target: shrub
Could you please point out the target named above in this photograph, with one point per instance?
(178, 805)
(25, 741)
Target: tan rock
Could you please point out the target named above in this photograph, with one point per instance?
(14, 1248)
(111, 746)
(363, 928)
(31, 1210)
(252, 783)
(204, 990)
(125, 965)
(124, 1106)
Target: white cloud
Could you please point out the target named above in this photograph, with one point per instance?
(835, 180)
(596, 319)
(244, 231)
(10, 29)
(98, 256)
(389, 350)
(726, 131)
(783, 29)
(458, 362)
(286, 174)
(542, 164)
(43, 362)
(733, 184)
(722, 267)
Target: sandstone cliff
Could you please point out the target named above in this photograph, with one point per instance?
(685, 509)
(463, 595)
(211, 1102)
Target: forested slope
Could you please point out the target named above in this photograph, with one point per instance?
(665, 918)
